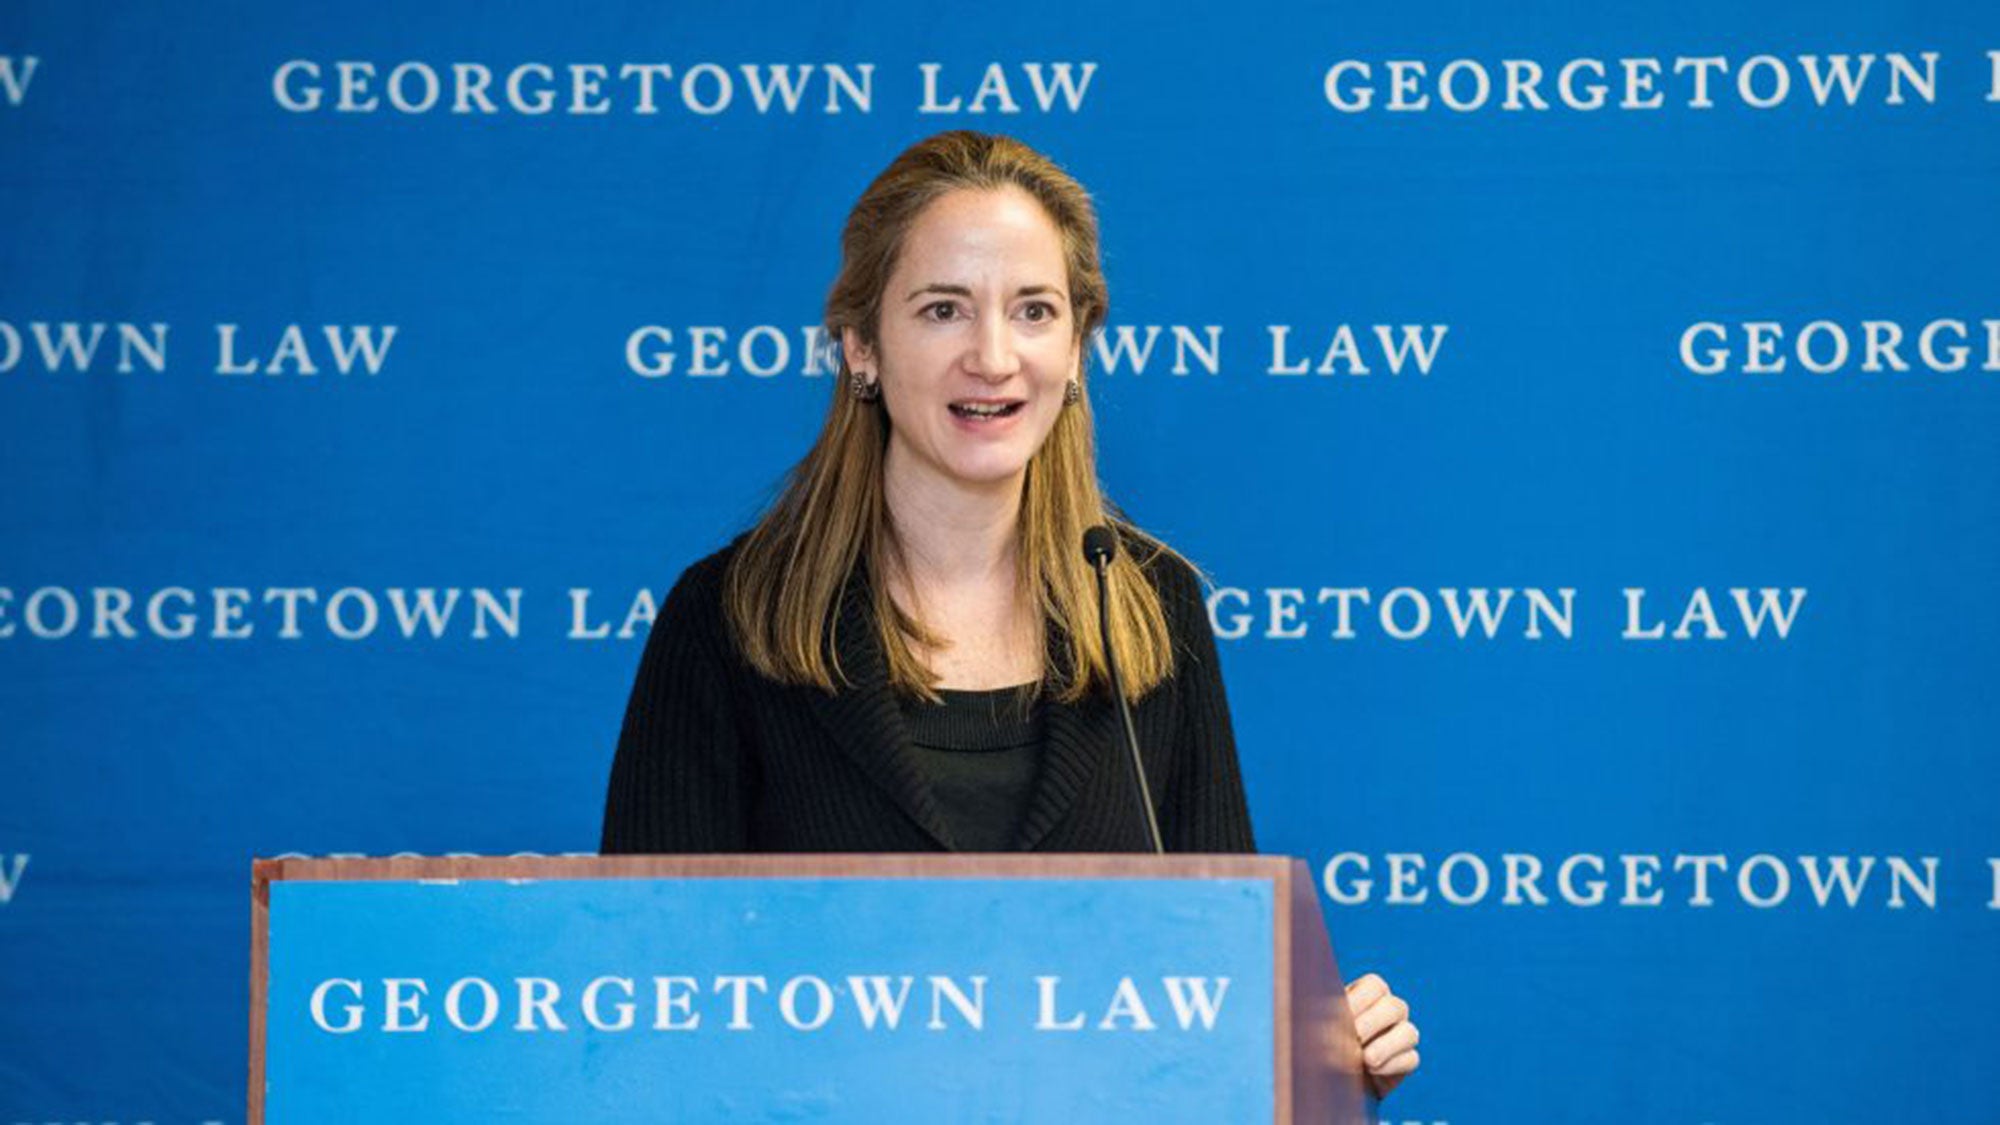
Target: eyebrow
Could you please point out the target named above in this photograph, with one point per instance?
(962, 291)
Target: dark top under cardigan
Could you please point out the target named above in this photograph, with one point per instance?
(980, 752)
(715, 757)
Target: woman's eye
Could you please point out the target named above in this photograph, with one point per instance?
(1040, 311)
(941, 312)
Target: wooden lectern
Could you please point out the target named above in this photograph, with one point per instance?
(797, 988)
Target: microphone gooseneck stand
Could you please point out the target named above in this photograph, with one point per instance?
(1100, 543)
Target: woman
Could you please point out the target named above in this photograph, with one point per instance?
(902, 654)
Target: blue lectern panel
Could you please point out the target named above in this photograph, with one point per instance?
(765, 1000)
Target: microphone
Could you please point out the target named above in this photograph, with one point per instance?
(1100, 544)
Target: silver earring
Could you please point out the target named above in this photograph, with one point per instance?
(863, 388)
(1073, 393)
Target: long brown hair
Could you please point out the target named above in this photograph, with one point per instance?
(784, 588)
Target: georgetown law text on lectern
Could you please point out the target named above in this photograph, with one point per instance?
(804, 988)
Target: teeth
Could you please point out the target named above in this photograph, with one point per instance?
(982, 409)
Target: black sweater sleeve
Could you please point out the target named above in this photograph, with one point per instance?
(1205, 806)
(678, 782)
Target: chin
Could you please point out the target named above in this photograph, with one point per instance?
(987, 472)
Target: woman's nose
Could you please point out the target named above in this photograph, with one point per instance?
(994, 353)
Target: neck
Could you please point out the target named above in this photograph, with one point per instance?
(952, 533)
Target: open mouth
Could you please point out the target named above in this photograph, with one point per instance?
(986, 409)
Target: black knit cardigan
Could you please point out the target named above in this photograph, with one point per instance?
(715, 757)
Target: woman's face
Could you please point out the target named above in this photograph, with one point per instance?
(976, 341)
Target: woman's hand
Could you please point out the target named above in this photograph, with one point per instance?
(1388, 1038)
